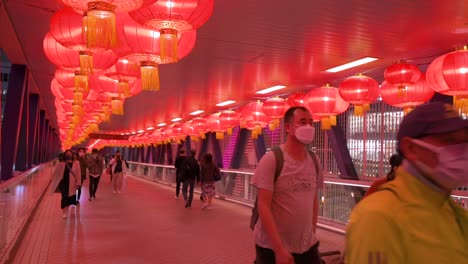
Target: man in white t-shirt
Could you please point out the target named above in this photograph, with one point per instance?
(288, 208)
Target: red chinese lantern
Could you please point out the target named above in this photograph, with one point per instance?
(189, 130)
(360, 91)
(69, 58)
(99, 19)
(402, 74)
(229, 119)
(177, 132)
(325, 102)
(172, 17)
(296, 99)
(214, 124)
(66, 27)
(254, 117)
(274, 108)
(141, 45)
(112, 88)
(199, 125)
(416, 94)
(124, 71)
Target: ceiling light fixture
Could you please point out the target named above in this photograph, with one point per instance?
(271, 89)
(352, 64)
(161, 124)
(197, 112)
(176, 119)
(228, 102)
(141, 131)
(149, 128)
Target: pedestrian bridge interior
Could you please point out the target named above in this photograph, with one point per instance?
(220, 87)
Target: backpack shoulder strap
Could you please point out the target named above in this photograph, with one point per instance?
(279, 161)
(315, 159)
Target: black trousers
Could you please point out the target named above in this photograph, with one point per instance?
(93, 185)
(188, 183)
(177, 188)
(267, 256)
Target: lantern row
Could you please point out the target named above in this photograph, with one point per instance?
(121, 40)
(404, 87)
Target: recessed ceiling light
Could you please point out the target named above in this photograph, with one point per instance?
(149, 128)
(161, 124)
(197, 112)
(271, 89)
(141, 131)
(176, 119)
(127, 133)
(352, 64)
(228, 102)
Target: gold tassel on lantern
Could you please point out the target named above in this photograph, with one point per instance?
(366, 107)
(219, 135)
(93, 128)
(86, 62)
(124, 88)
(149, 76)
(402, 90)
(202, 135)
(100, 25)
(407, 109)
(325, 123)
(358, 110)
(194, 138)
(461, 104)
(168, 44)
(117, 106)
(81, 82)
(76, 109)
(77, 97)
(229, 131)
(333, 120)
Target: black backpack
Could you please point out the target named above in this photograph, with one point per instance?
(186, 169)
(278, 168)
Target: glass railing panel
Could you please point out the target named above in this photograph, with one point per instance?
(18, 197)
(337, 198)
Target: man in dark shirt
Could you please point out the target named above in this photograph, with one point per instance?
(190, 172)
(178, 166)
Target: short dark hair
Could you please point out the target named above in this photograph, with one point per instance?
(95, 150)
(83, 149)
(118, 151)
(182, 151)
(288, 116)
(193, 152)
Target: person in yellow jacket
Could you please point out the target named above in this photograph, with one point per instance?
(413, 219)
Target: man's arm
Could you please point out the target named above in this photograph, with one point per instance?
(315, 213)
(265, 198)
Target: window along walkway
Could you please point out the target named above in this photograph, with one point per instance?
(144, 225)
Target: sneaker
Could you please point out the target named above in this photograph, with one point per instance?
(64, 216)
(90, 199)
(77, 203)
(176, 197)
(205, 205)
(188, 204)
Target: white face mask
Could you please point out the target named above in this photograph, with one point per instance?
(81, 154)
(452, 170)
(305, 134)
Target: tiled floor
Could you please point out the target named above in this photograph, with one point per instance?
(144, 225)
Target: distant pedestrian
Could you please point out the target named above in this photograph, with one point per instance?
(190, 173)
(96, 167)
(209, 174)
(84, 170)
(67, 176)
(119, 168)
